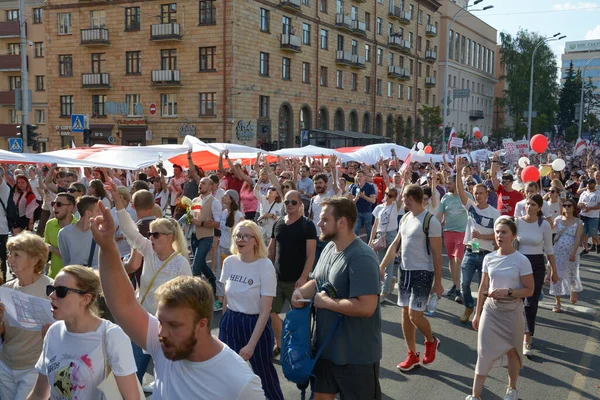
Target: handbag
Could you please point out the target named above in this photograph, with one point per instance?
(108, 387)
(155, 275)
(379, 243)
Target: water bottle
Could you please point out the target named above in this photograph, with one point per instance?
(432, 304)
(475, 246)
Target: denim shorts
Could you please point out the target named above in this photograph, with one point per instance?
(590, 226)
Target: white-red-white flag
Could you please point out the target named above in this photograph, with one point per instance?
(580, 146)
(406, 162)
(452, 135)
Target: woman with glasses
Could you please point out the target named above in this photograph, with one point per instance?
(553, 202)
(569, 230)
(270, 208)
(250, 286)
(80, 346)
(21, 348)
(535, 241)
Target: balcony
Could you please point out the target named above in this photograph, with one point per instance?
(9, 29)
(7, 98)
(476, 114)
(291, 5)
(430, 55)
(431, 30)
(358, 61)
(395, 71)
(166, 77)
(343, 57)
(344, 22)
(291, 43)
(405, 17)
(397, 43)
(359, 27)
(95, 81)
(170, 31)
(9, 62)
(394, 12)
(430, 81)
(94, 36)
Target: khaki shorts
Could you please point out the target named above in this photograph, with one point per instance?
(284, 292)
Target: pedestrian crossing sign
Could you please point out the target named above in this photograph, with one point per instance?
(15, 145)
(77, 123)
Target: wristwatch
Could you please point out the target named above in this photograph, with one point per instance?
(509, 291)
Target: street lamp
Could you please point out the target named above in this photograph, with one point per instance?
(446, 83)
(581, 100)
(542, 41)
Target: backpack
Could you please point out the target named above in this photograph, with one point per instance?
(297, 360)
(426, 223)
(10, 210)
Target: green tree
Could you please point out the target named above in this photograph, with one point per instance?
(590, 98)
(570, 94)
(571, 133)
(431, 118)
(591, 124)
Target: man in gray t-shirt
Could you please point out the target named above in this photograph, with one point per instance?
(348, 285)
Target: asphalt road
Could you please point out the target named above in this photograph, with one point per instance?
(564, 366)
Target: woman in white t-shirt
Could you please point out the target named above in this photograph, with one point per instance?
(554, 203)
(507, 279)
(250, 286)
(161, 194)
(78, 347)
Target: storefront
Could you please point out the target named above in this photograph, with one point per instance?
(134, 132)
(101, 134)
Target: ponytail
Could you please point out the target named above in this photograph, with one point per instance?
(179, 242)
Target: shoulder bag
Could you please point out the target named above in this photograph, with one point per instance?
(164, 264)
(379, 243)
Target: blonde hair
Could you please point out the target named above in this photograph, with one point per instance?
(33, 246)
(557, 184)
(260, 249)
(88, 281)
(170, 226)
(124, 193)
(189, 292)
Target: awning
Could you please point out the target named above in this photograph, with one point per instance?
(351, 135)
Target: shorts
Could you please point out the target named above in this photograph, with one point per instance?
(453, 241)
(351, 381)
(284, 293)
(590, 226)
(415, 287)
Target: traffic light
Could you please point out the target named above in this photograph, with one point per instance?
(87, 136)
(20, 130)
(32, 137)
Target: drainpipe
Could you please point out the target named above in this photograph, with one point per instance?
(225, 91)
(317, 73)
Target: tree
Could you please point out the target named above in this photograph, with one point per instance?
(590, 98)
(591, 124)
(431, 118)
(515, 56)
(570, 94)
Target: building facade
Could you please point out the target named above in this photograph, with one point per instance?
(255, 72)
(10, 69)
(582, 53)
(471, 66)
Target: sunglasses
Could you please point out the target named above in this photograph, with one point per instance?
(470, 183)
(72, 190)
(294, 202)
(155, 235)
(62, 291)
(58, 204)
(243, 237)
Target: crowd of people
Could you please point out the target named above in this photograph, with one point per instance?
(136, 263)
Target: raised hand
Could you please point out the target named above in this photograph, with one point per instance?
(103, 227)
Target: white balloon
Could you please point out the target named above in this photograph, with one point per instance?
(485, 139)
(420, 146)
(523, 162)
(558, 164)
(421, 152)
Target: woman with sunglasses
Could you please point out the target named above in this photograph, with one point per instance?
(26, 203)
(79, 345)
(569, 230)
(21, 348)
(250, 286)
(270, 208)
(535, 241)
(553, 201)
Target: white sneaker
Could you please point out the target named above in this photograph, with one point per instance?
(526, 349)
(149, 388)
(382, 297)
(470, 397)
(511, 394)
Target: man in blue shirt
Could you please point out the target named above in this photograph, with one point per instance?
(364, 196)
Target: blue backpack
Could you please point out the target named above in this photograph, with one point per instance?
(297, 360)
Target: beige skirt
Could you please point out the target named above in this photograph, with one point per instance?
(501, 328)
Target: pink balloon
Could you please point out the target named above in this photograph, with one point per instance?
(530, 173)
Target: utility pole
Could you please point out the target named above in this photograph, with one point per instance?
(24, 76)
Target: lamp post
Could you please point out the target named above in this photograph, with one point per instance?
(581, 100)
(530, 111)
(446, 83)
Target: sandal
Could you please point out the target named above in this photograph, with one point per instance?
(556, 309)
(574, 297)
(276, 351)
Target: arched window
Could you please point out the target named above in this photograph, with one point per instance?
(366, 123)
(338, 120)
(323, 122)
(389, 127)
(378, 125)
(353, 121)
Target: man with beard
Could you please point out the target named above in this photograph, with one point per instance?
(345, 282)
(189, 362)
(63, 212)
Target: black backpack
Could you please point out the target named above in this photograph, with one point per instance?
(10, 210)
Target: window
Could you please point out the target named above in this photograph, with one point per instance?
(468, 52)
(390, 29)
(40, 85)
(401, 63)
(38, 49)
(451, 46)
(379, 56)
(410, 66)
(339, 7)
(354, 47)
(323, 76)
(286, 25)
(306, 34)
(15, 118)
(132, 100)
(420, 69)
(168, 59)
(306, 2)
(462, 49)
(133, 63)
(66, 106)
(339, 79)
(208, 105)
(391, 59)
(208, 13)
(305, 72)
(264, 20)
(97, 61)
(14, 49)
(97, 19)
(400, 91)
(264, 109)
(65, 66)
(38, 15)
(207, 58)
(14, 83)
(64, 23)
(323, 39)
(354, 82)
(168, 13)
(418, 95)
(168, 105)
(132, 19)
(340, 42)
(286, 66)
(12, 15)
(323, 6)
(419, 43)
(379, 87)
(368, 21)
(367, 84)
(378, 26)
(420, 17)
(40, 117)
(367, 52)
(390, 89)
(354, 13)
(264, 64)
(98, 101)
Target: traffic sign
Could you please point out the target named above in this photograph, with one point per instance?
(15, 145)
(152, 108)
(77, 123)
(461, 93)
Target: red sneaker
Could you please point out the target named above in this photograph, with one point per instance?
(412, 361)
(430, 351)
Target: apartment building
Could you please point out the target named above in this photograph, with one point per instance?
(256, 72)
(471, 65)
(10, 69)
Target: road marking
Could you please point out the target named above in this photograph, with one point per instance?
(589, 350)
(570, 307)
